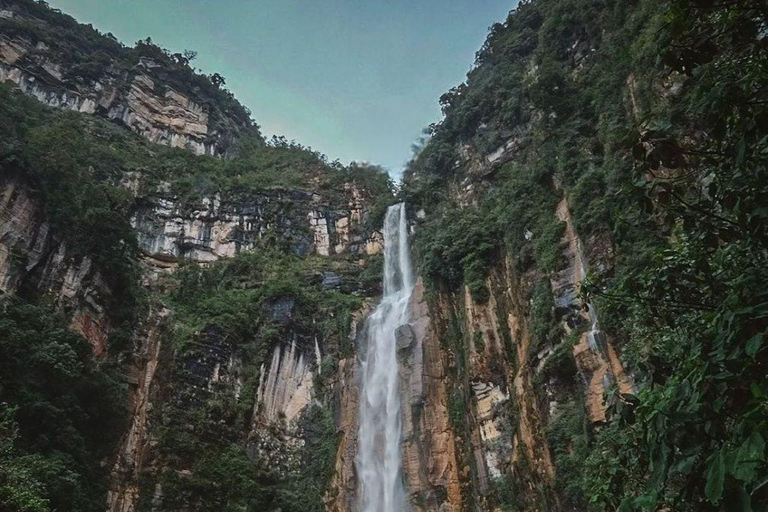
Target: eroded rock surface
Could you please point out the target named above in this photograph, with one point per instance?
(31, 254)
(161, 114)
(169, 230)
(132, 455)
(429, 454)
(595, 355)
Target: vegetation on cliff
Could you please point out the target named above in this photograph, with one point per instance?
(62, 413)
(650, 118)
(88, 56)
(80, 168)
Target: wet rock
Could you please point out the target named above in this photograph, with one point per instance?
(405, 339)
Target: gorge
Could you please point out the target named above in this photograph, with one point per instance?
(196, 318)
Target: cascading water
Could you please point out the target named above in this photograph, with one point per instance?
(594, 334)
(378, 459)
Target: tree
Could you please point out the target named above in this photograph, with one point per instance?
(217, 80)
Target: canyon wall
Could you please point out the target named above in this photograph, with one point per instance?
(507, 199)
(34, 259)
(230, 310)
(129, 88)
(214, 228)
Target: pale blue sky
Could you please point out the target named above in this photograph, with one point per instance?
(354, 79)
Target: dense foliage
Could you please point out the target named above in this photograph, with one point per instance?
(61, 413)
(246, 306)
(649, 118)
(697, 314)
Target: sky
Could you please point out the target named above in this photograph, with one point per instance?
(357, 80)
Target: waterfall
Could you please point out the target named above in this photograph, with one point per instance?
(594, 334)
(379, 460)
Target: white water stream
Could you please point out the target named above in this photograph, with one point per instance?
(594, 333)
(379, 459)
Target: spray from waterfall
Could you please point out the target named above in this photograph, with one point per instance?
(379, 460)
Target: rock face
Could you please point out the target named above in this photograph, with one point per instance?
(219, 228)
(471, 407)
(341, 495)
(132, 455)
(136, 97)
(595, 356)
(285, 387)
(475, 404)
(31, 255)
(430, 464)
(430, 468)
(506, 422)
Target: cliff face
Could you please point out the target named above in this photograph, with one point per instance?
(132, 89)
(563, 208)
(33, 257)
(214, 228)
(249, 384)
(581, 278)
(430, 465)
(163, 379)
(529, 374)
(132, 455)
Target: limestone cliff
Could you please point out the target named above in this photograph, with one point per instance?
(226, 310)
(33, 258)
(216, 228)
(129, 88)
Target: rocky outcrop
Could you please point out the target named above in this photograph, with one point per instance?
(430, 464)
(595, 356)
(169, 230)
(136, 98)
(131, 458)
(286, 389)
(32, 256)
(507, 421)
(285, 386)
(169, 118)
(342, 491)
(25, 237)
(430, 468)
(489, 400)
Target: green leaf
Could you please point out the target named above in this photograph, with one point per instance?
(741, 149)
(647, 501)
(745, 501)
(753, 344)
(749, 458)
(683, 465)
(715, 477)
